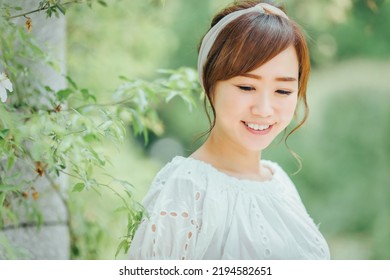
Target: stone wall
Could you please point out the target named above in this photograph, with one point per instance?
(52, 240)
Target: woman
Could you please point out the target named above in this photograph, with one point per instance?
(224, 202)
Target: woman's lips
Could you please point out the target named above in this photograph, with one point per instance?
(258, 129)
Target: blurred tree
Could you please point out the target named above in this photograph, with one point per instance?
(50, 128)
(367, 32)
(344, 29)
(46, 237)
(344, 180)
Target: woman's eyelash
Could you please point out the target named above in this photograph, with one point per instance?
(246, 88)
(286, 92)
(250, 88)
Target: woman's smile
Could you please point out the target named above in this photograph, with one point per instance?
(258, 129)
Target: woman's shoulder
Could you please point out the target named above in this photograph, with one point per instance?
(180, 179)
(180, 169)
(281, 176)
(274, 167)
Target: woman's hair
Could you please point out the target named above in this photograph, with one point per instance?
(248, 42)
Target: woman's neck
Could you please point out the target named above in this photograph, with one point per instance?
(233, 160)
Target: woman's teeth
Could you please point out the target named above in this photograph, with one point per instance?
(257, 126)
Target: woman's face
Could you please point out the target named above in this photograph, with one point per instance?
(252, 109)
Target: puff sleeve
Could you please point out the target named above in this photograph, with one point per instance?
(170, 228)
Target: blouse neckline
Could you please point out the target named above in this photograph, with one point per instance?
(212, 168)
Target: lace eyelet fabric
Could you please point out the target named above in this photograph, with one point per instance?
(195, 211)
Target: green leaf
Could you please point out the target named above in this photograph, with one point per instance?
(90, 137)
(125, 184)
(106, 125)
(69, 79)
(10, 163)
(146, 136)
(75, 248)
(78, 187)
(61, 8)
(8, 188)
(171, 95)
(63, 94)
(129, 194)
(4, 133)
(122, 244)
(42, 4)
(87, 95)
(103, 3)
(121, 77)
(49, 89)
(2, 199)
(138, 127)
(98, 158)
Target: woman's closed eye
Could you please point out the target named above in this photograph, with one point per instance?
(246, 88)
(284, 92)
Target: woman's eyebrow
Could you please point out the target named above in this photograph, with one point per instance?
(285, 79)
(279, 79)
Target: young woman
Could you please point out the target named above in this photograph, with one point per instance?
(224, 202)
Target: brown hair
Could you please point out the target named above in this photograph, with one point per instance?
(248, 42)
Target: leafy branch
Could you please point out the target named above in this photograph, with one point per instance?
(58, 136)
(54, 6)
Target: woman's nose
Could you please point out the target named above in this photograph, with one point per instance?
(262, 105)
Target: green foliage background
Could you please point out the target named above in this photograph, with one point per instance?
(345, 177)
(345, 181)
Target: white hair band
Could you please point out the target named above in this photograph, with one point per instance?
(211, 36)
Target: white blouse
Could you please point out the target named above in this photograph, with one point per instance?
(195, 211)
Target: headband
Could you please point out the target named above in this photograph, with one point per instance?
(211, 36)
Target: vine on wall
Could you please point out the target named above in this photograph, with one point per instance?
(54, 133)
